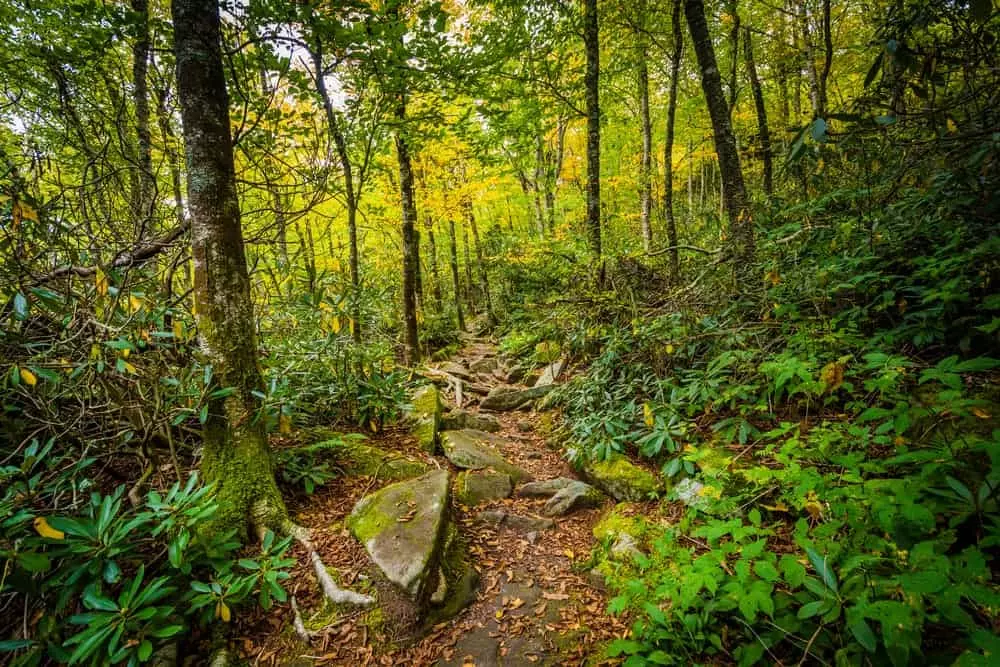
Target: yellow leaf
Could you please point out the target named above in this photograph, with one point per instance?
(670, 348)
(373, 425)
(222, 611)
(135, 303)
(130, 368)
(28, 378)
(569, 554)
(951, 126)
(284, 424)
(125, 352)
(178, 328)
(499, 614)
(982, 414)
(45, 530)
(647, 414)
(335, 324)
(101, 282)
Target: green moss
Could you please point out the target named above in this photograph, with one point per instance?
(357, 459)
(425, 414)
(615, 522)
(461, 578)
(367, 521)
(623, 480)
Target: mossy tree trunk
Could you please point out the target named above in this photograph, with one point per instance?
(668, 144)
(592, 47)
(236, 455)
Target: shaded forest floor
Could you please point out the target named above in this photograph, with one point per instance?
(535, 604)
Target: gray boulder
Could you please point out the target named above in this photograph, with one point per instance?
(517, 522)
(402, 526)
(576, 495)
(504, 397)
(474, 487)
(458, 419)
(475, 450)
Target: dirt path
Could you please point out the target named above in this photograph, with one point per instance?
(535, 605)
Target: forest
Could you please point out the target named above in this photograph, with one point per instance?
(499, 332)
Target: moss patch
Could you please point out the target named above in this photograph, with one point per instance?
(356, 458)
(623, 480)
(425, 415)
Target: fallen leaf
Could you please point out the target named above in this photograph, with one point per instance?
(45, 530)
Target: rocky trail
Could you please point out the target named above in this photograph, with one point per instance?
(472, 533)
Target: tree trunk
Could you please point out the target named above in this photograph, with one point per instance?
(646, 165)
(484, 281)
(731, 175)
(668, 144)
(591, 81)
(236, 457)
(470, 289)
(734, 49)
(454, 274)
(145, 182)
(350, 191)
(435, 275)
(758, 102)
(410, 249)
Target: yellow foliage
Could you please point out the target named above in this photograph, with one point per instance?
(43, 528)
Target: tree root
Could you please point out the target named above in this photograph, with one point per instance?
(331, 590)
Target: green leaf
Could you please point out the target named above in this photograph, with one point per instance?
(145, 650)
(864, 634)
(811, 609)
(818, 130)
(20, 306)
(823, 569)
(766, 570)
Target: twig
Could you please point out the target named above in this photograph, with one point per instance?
(663, 251)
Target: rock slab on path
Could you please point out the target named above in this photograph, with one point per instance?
(475, 450)
(506, 397)
(459, 419)
(474, 487)
(425, 415)
(402, 527)
(518, 522)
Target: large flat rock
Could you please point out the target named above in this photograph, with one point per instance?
(505, 397)
(476, 450)
(402, 527)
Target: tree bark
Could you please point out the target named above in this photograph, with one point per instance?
(646, 164)
(470, 289)
(734, 48)
(410, 249)
(668, 144)
(731, 175)
(484, 281)
(350, 191)
(236, 457)
(454, 274)
(435, 274)
(591, 80)
(145, 183)
(758, 102)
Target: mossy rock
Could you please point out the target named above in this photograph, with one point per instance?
(476, 450)
(461, 580)
(623, 480)
(403, 527)
(474, 487)
(615, 522)
(425, 415)
(356, 458)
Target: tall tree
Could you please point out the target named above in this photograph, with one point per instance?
(668, 145)
(144, 180)
(733, 188)
(758, 102)
(592, 47)
(646, 163)
(236, 456)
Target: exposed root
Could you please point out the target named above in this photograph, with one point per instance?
(331, 590)
(298, 625)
